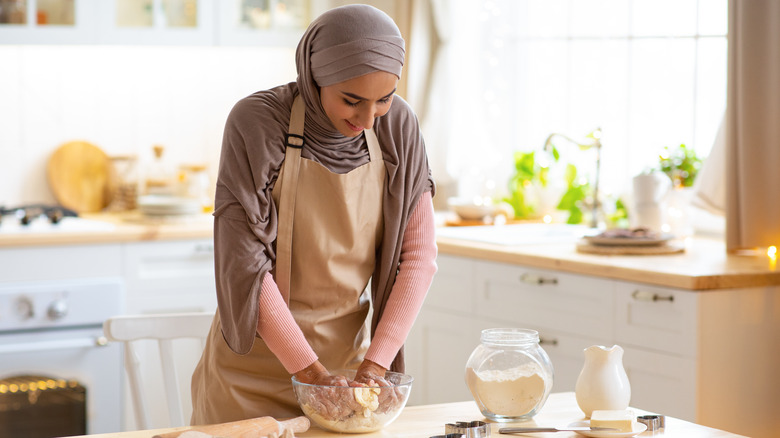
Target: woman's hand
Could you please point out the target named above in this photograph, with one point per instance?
(316, 374)
(371, 374)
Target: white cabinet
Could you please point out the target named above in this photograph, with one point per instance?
(155, 22)
(703, 356)
(169, 276)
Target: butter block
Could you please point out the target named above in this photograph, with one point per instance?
(623, 420)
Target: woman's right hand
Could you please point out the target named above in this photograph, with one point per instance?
(317, 374)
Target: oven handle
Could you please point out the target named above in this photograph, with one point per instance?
(99, 341)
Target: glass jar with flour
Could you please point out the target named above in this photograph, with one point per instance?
(509, 374)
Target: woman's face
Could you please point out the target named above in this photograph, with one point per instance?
(353, 105)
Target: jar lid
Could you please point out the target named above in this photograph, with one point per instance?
(509, 336)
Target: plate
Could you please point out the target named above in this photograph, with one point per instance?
(628, 241)
(162, 205)
(638, 428)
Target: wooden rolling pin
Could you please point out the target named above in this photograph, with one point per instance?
(260, 427)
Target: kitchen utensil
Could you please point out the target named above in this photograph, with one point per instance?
(653, 422)
(554, 429)
(260, 427)
(79, 174)
(468, 429)
(354, 409)
(636, 430)
(602, 383)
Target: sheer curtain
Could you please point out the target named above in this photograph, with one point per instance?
(753, 125)
(429, 86)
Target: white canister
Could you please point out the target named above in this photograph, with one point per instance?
(603, 383)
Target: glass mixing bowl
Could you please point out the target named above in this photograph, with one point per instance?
(354, 409)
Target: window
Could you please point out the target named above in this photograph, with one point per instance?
(649, 73)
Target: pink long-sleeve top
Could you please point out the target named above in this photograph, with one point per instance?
(285, 339)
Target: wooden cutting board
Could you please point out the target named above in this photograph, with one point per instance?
(80, 175)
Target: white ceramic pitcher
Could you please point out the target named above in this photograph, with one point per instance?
(603, 383)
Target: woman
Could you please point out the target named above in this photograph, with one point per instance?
(323, 185)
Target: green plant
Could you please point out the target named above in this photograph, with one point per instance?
(574, 196)
(527, 172)
(681, 164)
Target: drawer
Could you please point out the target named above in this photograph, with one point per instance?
(661, 383)
(60, 262)
(657, 318)
(530, 298)
(452, 285)
(170, 267)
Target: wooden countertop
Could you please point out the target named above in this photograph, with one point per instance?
(113, 228)
(426, 421)
(704, 265)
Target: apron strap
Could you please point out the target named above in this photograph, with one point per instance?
(374, 151)
(292, 159)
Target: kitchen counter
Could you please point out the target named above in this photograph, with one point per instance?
(704, 265)
(97, 228)
(429, 420)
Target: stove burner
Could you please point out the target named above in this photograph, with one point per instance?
(28, 213)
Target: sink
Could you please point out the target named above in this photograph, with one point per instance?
(518, 234)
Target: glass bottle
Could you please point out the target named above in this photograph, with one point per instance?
(509, 374)
(159, 178)
(125, 188)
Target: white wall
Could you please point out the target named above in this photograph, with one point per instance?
(123, 99)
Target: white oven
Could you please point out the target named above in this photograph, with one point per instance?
(56, 367)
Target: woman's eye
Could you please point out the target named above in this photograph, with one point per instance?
(350, 103)
(386, 99)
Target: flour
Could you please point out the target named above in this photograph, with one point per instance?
(510, 393)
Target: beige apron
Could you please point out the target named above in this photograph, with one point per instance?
(322, 272)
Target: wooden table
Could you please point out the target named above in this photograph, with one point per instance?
(426, 421)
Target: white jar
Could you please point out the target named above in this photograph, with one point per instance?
(603, 383)
(509, 374)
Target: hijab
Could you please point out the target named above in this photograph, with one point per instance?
(341, 44)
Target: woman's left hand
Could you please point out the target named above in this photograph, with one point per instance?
(371, 374)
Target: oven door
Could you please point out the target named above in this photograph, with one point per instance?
(76, 356)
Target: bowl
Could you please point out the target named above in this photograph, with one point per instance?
(475, 209)
(348, 409)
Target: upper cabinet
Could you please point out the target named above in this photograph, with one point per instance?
(154, 22)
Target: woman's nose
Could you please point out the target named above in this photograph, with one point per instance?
(366, 118)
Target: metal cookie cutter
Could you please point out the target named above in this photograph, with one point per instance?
(469, 429)
(653, 422)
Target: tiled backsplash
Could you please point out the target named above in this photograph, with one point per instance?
(124, 100)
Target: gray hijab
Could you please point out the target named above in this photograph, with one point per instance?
(341, 44)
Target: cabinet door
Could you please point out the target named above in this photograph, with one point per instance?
(657, 318)
(661, 383)
(48, 22)
(278, 23)
(60, 262)
(438, 355)
(532, 298)
(170, 276)
(156, 22)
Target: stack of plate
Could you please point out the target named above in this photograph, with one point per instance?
(627, 243)
(162, 205)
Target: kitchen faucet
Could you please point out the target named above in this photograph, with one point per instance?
(596, 143)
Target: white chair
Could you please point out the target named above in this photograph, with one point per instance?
(164, 329)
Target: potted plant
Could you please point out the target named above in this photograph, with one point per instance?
(681, 164)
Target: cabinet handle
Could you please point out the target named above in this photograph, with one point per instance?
(545, 341)
(537, 279)
(643, 295)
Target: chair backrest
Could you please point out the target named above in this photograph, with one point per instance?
(164, 329)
